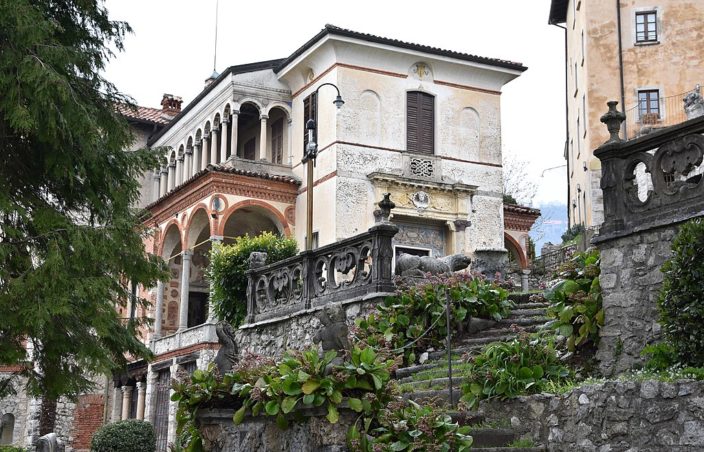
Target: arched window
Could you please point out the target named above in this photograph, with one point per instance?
(420, 122)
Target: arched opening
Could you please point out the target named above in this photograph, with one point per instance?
(7, 428)
(250, 220)
(516, 257)
(249, 131)
(198, 240)
(278, 133)
(171, 253)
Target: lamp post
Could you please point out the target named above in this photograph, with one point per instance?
(309, 155)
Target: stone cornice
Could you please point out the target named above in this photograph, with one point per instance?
(519, 218)
(210, 182)
(455, 187)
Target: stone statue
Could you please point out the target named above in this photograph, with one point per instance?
(50, 443)
(410, 265)
(333, 333)
(257, 259)
(227, 355)
(694, 104)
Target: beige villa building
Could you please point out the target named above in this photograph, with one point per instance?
(647, 55)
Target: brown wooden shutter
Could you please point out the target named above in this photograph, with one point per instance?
(420, 122)
(310, 111)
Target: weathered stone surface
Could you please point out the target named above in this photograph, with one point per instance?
(613, 416)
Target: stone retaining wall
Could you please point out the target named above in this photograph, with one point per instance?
(615, 416)
(630, 282)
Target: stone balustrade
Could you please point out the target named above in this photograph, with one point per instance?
(651, 181)
(359, 266)
(185, 338)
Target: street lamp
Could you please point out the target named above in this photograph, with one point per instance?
(309, 155)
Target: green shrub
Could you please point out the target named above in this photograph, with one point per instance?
(681, 301)
(576, 301)
(124, 436)
(404, 318)
(525, 365)
(12, 449)
(572, 233)
(660, 356)
(228, 264)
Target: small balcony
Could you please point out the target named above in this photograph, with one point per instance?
(653, 112)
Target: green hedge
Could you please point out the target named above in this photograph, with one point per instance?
(228, 264)
(681, 301)
(124, 436)
(12, 449)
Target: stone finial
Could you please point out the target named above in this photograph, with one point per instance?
(694, 103)
(384, 211)
(613, 119)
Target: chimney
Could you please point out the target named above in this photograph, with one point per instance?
(171, 105)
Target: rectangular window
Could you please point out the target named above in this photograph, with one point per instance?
(277, 141)
(647, 26)
(649, 106)
(584, 113)
(576, 81)
(579, 140)
(310, 111)
(420, 122)
(583, 48)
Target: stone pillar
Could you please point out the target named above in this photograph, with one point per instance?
(141, 393)
(196, 157)
(163, 182)
(171, 177)
(460, 235)
(211, 312)
(157, 184)
(126, 396)
(204, 151)
(188, 165)
(525, 287)
(262, 138)
(116, 414)
(289, 145)
(185, 275)
(179, 170)
(159, 309)
(233, 133)
(223, 140)
(214, 146)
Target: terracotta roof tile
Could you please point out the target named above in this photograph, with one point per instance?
(145, 114)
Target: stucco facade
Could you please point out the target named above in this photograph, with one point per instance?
(661, 60)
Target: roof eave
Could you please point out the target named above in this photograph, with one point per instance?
(558, 12)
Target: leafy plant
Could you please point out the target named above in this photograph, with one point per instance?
(681, 302)
(660, 356)
(572, 233)
(12, 449)
(404, 318)
(576, 301)
(124, 436)
(228, 266)
(405, 425)
(507, 369)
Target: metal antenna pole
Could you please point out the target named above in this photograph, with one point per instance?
(449, 344)
(215, 52)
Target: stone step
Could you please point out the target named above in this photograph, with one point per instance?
(527, 312)
(439, 383)
(437, 396)
(405, 372)
(533, 305)
(492, 437)
(521, 321)
(508, 449)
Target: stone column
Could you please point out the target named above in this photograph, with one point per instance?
(141, 392)
(163, 182)
(233, 134)
(460, 235)
(289, 145)
(157, 184)
(188, 165)
(214, 145)
(171, 177)
(223, 140)
(196, 157)
(116, 404)
(185, 275)
(159, 309)
(262, 138)
(525, 286)
(211, 312)
(179, 170)
(126, 396)
(204, 151)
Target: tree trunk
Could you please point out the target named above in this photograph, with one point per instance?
(47, 416)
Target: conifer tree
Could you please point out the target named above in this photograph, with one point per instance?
(70, 237)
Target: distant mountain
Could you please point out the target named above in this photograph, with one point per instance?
(550, 226)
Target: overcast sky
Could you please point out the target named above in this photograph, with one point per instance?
(172, 49)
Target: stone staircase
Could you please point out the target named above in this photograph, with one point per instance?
(430, 380)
